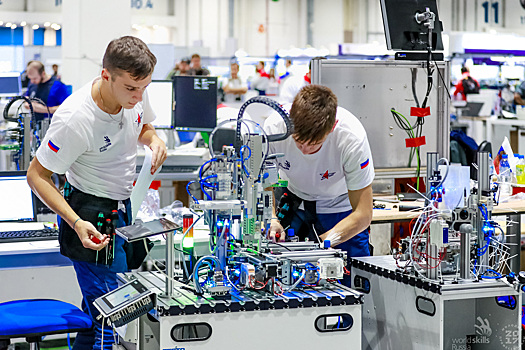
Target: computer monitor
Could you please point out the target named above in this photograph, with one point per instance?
(160, 93)
(195, 103)
(473, 109)
(402, 30)
(223, 137)
(10, 84)
(18, 201)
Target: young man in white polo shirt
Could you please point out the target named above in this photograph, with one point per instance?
(93, 139)
(329, 169)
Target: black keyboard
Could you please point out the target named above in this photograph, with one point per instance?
(28, 235)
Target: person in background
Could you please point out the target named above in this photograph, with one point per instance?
(55, 72)
(261, 79)
(196, 68)
(519, 94)
(291, 86)
(93, 139)
(181, 68)
(273, 84)
(328, 165)
(466, 85)
(287, 64)
(45, 87)
(234, 89)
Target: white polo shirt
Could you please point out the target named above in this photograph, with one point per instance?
(343, 163)
(88, 145)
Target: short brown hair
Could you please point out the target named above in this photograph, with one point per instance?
(39, 66)
(313, 113)
(195, 55)
(131, 55)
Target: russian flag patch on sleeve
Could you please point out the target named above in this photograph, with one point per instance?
(55, 148)
(365, 163)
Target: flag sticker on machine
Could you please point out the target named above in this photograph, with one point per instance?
(365, 163)
(53, 147)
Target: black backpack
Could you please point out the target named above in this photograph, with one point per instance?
(470, 86)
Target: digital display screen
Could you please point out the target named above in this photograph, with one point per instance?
(160, 95)
(122, 295)
(10, 84)
(18, 205)
(142, 230)
(195, 103)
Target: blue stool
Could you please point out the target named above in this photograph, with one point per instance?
(35, 318)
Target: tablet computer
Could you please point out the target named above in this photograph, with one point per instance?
(146, 229)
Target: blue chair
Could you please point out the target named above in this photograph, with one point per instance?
(34, 318)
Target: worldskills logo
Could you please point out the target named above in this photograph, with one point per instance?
(482, 336)
(139, 118)
(483, 328)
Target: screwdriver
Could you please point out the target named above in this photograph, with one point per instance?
(108, 233)
(114, 221)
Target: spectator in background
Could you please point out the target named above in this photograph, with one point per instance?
(261, 80)
(234, 88)
(519, 94)
(55, 72)
(287, 64)
(273, 84)
(292, 86)
(181, 68)
(45, 87)
(466, 85)
(196, 68)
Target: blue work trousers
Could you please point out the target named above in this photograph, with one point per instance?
(95, 280)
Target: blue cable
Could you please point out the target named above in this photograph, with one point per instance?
(313, 267)
(204, 191)
(498, 275)
(249, 155)
(203, 165)
(484, 213)
(203, 184)
(209, 177)
(188, 190)
(245, 159)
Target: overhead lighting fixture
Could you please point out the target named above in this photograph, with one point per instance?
(58, 27)
(155, 26)
(47, 24)
(1, 23)
(13, 26)
(8, 24)
(23, 23)
(35, 26)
